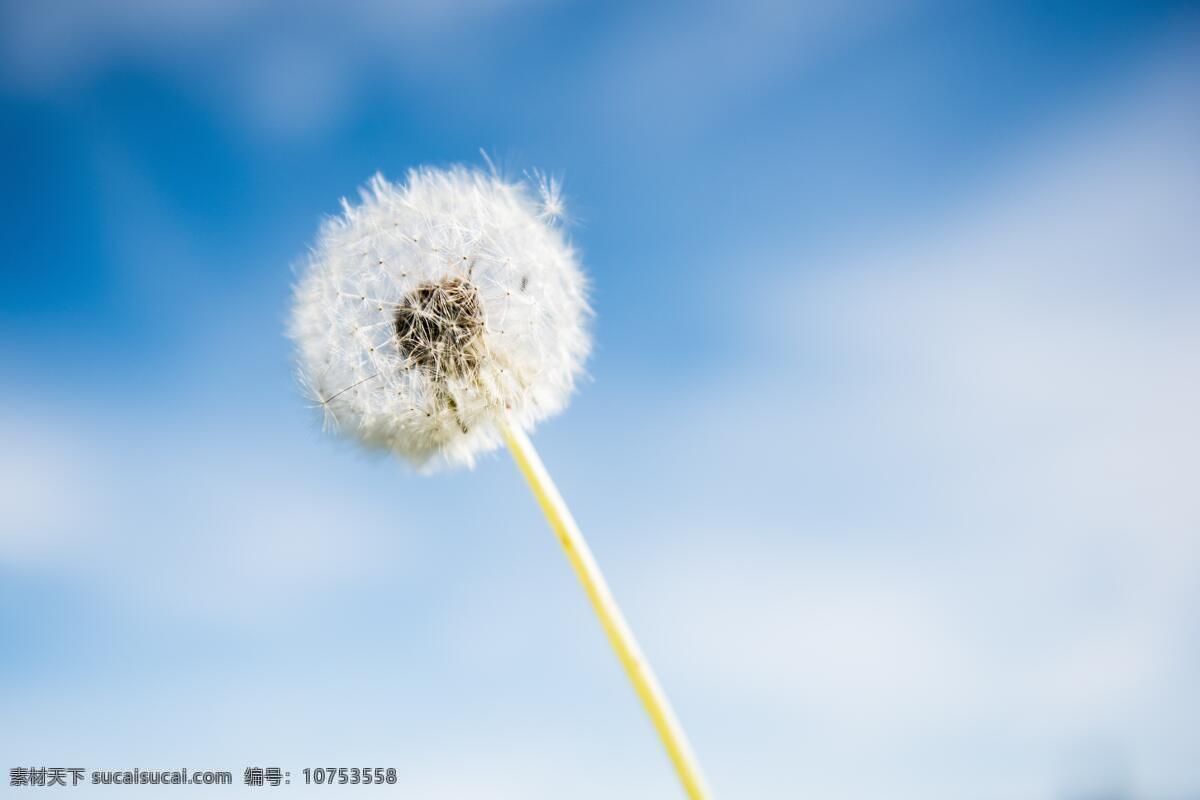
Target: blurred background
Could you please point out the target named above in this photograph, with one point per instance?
(889, 448)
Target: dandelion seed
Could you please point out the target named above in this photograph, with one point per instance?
(550, 192)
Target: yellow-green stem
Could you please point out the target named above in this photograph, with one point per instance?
(619, 635)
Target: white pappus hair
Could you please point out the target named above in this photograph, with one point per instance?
(434, 310)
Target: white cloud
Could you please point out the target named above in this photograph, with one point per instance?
(44, 488)
(994, 555)
(687, 67)
(208, 530)
(305, 67)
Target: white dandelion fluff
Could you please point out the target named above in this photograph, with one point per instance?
(444, 315)
(433, 312)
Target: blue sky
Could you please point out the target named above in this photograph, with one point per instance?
(888, 445)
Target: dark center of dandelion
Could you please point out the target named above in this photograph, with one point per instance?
(438, 325)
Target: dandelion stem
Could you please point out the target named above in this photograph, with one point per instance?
(619, 635)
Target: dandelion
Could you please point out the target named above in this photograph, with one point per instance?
(433, 312)
(440, 318)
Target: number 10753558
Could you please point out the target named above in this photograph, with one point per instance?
(350, 775)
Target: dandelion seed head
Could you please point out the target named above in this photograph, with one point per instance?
(435, 309)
